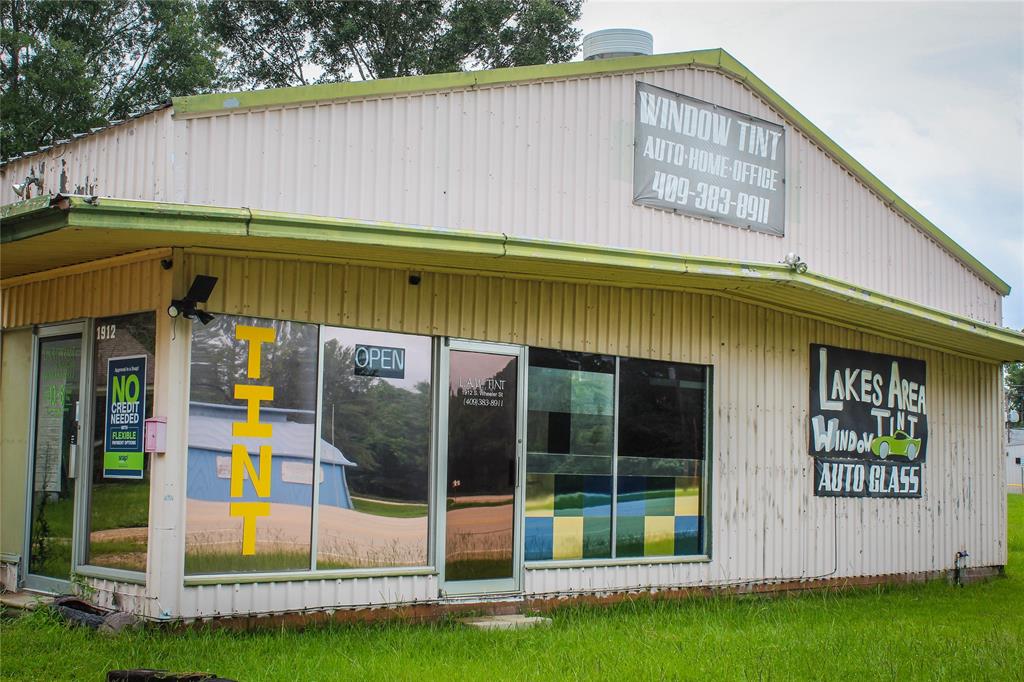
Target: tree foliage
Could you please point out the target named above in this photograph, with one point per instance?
(1013, 380)
(66, 67)
(382, 428)
(283, 42)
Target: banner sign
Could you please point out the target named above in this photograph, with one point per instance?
(853, 478)
(125, 415)
(379, 361)
(869, 407)
(700, 159)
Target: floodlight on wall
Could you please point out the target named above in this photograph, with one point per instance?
(21, 187)
(794, 263)
(199, 292)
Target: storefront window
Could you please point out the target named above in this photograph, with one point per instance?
(375, 449)
(614, 462)
(570, 428)
(660, 458)
(124, 365)
(252, 416)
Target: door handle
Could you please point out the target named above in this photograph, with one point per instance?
(73, 447)
(512, 471)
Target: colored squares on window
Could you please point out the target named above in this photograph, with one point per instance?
(687, 496)
(568, 538)
(687, 535)
(540, 495)
(658, 516)
(660, 496)
(565, 538)
(659, 535)
(539, 538)
(629, 540)
(568, 517)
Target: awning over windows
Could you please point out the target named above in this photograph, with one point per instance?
(51, 232)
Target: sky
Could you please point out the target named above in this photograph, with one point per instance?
(928, 96)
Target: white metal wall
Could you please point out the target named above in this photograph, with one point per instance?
(131, 160)
(765, 523)
(550, 159)
(553, 160)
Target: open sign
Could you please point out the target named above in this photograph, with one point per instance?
(379, 361)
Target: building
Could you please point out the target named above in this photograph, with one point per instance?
(1015, 461)
(616, 325)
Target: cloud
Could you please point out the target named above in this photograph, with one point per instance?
(928, 96)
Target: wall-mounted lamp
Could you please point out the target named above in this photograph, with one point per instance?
(793, 262)
(199, 292)
(21, 187)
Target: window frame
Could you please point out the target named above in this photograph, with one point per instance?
(84, 568)
(705, 487)
(312, 572)
(430, 568)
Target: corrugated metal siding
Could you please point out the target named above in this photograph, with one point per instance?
(131, 160)
(220, 600)
(124, 285)
(766, 524)
(552, 160)
(118, 596)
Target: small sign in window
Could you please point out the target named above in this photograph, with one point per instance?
(379, 361)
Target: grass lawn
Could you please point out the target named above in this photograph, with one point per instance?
(392, 509)
(932, 631)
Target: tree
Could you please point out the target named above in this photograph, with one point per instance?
(1013, 380)
(281, 42)
(66, 67)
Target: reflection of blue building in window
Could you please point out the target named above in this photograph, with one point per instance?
(209, 457)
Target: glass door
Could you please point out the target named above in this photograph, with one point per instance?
(481, 443)
(56, 434)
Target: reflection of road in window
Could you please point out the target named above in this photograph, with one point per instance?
(481, 465)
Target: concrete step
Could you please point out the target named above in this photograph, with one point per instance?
(512, 622)
(24, 601)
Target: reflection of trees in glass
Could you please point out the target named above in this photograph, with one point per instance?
(219, 361)
(481, 440)
(381, 427)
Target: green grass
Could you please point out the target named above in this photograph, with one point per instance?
(120, 505)
(391, 509)
(113, 505)
(202, 563)
(931, 631)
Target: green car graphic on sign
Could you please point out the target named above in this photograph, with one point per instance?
(898, 443)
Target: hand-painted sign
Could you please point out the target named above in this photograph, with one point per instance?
(853, 478)
(125, 416)
(242, 467)
(700, 159)
(379, 361)
(868, 407)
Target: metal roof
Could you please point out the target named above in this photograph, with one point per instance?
(209, 428)
(92, 131)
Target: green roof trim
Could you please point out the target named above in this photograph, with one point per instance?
(186, 221)
(716, 59)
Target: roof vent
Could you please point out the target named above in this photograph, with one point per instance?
(617, 42)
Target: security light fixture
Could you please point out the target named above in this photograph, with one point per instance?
(199, 292)
(21, 187)
(794, 263)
